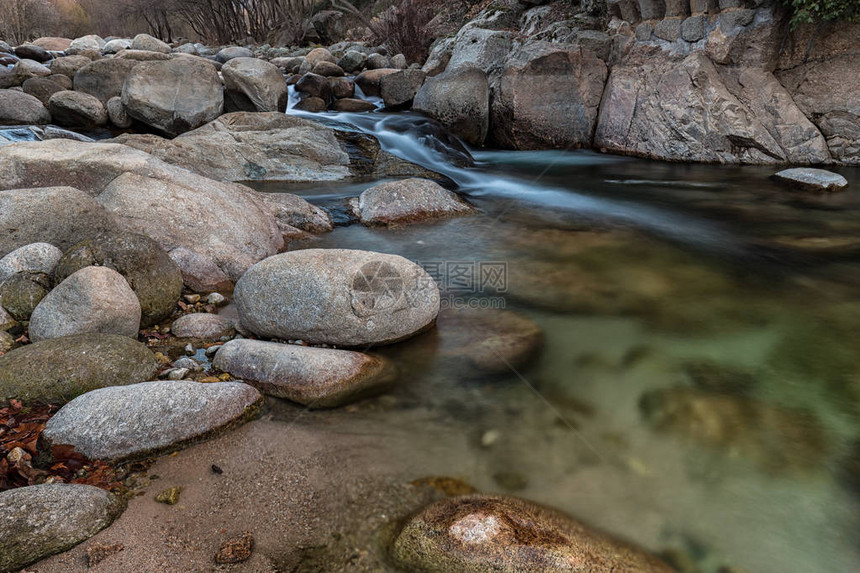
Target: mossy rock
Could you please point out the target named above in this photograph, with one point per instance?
(57, 370)
(22, 292)
(149, 270)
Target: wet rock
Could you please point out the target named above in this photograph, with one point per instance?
(58, 370)
(342, 88)
(370, 81)
(173, 96)
(231, 52)
(319, 55)
(236, 550)
(77, 109)
(293, 211)
(41, 520)
(117, 114)
(42, 89)
(18, 108)
(372, 298)
(312, 105)
(104, 79)
(261, 83)
(314, 377)
(202, 325)
(22, 292)
(779, 439)
(69, 65)
(93, 299)
(35, 257)
(808, 179)
(146, 419)
(153, 276)
(506, 534)
(327, 69)
(399, 89)
(61, 216)
(460, 100)
(548, 97)
(351, 105)
(407, 200)
(315, 86)
(199, 273)
(150, 44)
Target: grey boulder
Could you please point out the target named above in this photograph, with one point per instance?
(337, 296)
(259, 83)
(93, 299)
(407, 200)
(134, 422)
(460, 100)
(18, 108)
(77, 109)
(809, 179)
(314, 377)
(149, 44)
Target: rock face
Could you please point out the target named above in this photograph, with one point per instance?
(483, 534)
(202, 325)
(58, 370)
(808, 179)
(460, 100)
(142, 420)
(94, 299)
(260, 83)
(61, 216)
(314, 377)
(687, 112)
(548, 97)
(18, 108)
(370, 298)
(41, 520)
(173, 96)
(407, 200)
(35, 257)
(76, 109)
(149, 271)
(249, 146)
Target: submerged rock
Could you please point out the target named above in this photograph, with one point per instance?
(370, 298)
(314, 377)
(93, 299)
(808, 179)
(407, 200)
(150, 272)
(142, 420)
(483, 534)
(58, 370)
(41, 520)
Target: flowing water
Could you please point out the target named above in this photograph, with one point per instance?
(698, 390)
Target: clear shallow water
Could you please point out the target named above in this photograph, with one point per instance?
(698, 389)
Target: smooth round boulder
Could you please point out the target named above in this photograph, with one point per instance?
(260, 82)
(231, 52)
(342, 88)
(312, 104)
(22, 292)
(42, 520)
(128, 423)
(77, 109)
(18, 108)
(202, 325)
(116, 113)
(148, 43)
(32, 52)
(315, 86)
(313, 377)
(94, 299)
(35, 257)
(407, 200)
(65, 82)
(809, 179)
(337, 296)
(174, 96)
(200, 273)
(501, 534)
(91, 43)
(369, 81)
(352, 61)
(42, 89)
(61, 369)
(148, 269)
(69, 65)
(327, 69)
(318, 55)
(26, 69)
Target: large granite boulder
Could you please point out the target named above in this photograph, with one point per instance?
(103, 78)
(69, 65)
(124, 423)
(173, 96)
(548, 97)
(314, 377)
(18, 108)
(150, 44)
(368, 298)
(41, 520)
(256, 84)
(77, 109)
(60, 369)
(93, 299)
(460, 100)
(407, 200)
(149, 271)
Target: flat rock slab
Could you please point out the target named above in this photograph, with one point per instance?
(809, 179)
(41, 520)
(315, 377)
(58, 370)
(338, 297)
(142, 420)
(498, 534)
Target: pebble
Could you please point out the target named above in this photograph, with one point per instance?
(192, 298)
(170, 496)
(216, 299)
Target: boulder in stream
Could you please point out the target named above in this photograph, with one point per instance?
(407, 200)
(809, 179)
